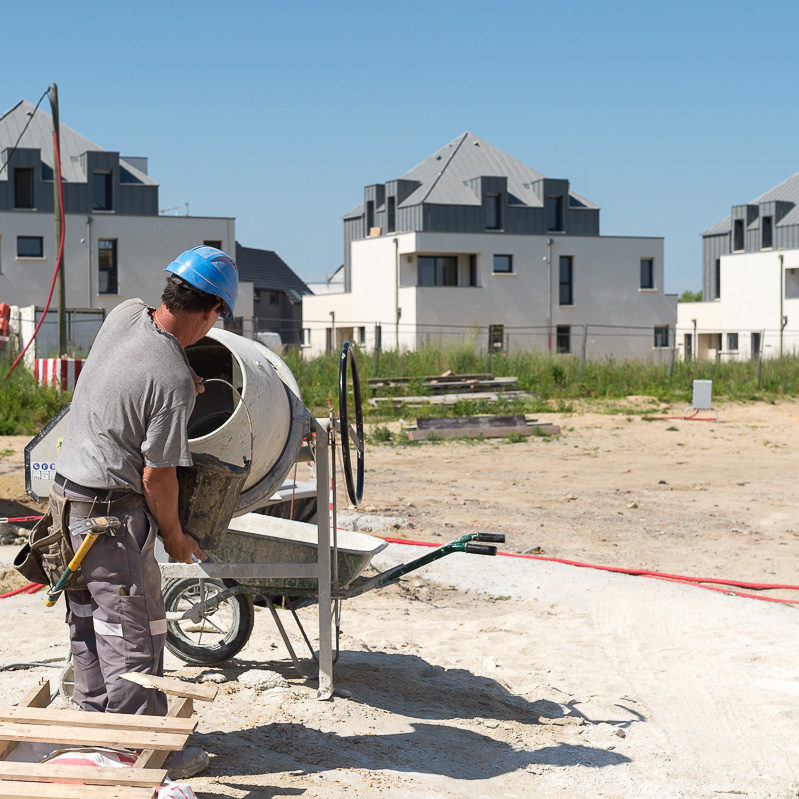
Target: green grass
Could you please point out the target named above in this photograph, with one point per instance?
(555, 383)
(25, 407)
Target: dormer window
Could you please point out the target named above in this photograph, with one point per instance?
(554, 211)
(23, 187)
(493, 209)
(767, 232)
(101, 191)
(738, 235)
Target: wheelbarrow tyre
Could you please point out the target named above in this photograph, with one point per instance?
(354, 486)
(233, 642)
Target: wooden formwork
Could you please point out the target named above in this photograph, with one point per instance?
(33, 720)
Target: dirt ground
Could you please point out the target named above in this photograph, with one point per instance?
(500, 677)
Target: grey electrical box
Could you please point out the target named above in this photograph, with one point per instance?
(703, 391)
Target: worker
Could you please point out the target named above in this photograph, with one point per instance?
(126, 434)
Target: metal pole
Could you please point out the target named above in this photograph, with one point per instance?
(760, 358)
(672, 342)
(323, 465)
(583, 349)
(62, 297)
(782, 294)
(397, 311)
(333, 346)
(696, 344)
(549, 295)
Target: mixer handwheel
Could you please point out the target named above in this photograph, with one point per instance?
(354, 487)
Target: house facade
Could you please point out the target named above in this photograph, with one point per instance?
(750, 282)
(116, 243)
(472, 243)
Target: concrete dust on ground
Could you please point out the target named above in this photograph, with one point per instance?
(495, 677)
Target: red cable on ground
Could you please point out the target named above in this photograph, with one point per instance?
(20, 518)
(675, 578)
(58, 258)
(30, 588)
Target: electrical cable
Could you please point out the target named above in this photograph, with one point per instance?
(19, 138)
(697, 582)
(59, 258)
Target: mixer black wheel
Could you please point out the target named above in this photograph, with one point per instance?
(354, 487)
(219, 634)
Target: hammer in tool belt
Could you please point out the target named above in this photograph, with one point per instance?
(94, 526)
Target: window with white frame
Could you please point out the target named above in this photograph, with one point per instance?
(732, 342)
(647, 280)
(30, 247)
(437, 270)
(791, 283)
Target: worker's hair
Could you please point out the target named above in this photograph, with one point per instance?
(181, 296)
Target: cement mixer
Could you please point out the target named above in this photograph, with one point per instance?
(246, 432)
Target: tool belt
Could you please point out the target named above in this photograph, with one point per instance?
(49, 549)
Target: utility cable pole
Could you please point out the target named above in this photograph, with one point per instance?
(62, 301)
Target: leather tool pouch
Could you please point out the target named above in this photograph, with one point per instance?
(49, 549)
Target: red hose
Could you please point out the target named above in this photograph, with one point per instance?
(58, 258)
(30, 588)
(674, 578)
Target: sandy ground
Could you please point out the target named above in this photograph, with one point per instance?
(507, 678)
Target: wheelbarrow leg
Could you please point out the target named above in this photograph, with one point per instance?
(325, 690)
(282, 630)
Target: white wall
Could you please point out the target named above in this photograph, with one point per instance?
(606, 292)
(145, 245)
(749, 302)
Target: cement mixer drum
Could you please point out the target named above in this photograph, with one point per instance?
(267, 427)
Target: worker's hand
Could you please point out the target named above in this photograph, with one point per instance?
(198, 381)
(181, 547)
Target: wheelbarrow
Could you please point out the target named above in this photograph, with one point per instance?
(210, 620)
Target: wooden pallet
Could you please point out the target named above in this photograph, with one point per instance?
(156, 736)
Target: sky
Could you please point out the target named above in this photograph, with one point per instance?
(278, 114)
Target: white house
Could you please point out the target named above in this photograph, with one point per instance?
(115, 243)
(750, 282)
(472, 243)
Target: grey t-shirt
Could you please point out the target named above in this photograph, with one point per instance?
(131, 404)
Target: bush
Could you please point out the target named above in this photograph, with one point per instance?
(25, 406)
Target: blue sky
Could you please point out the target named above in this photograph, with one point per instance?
(665, 114)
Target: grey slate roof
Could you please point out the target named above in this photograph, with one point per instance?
(267, 270)
(788, 191)
(39, 135)
(444, 176)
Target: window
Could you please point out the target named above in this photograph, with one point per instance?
(328, 339)
(23, 187)
(738, 235)
(647, 273)
(503, 264)
(493, 209)
(473, 269)
(791, 283)
(437, 270)
(361, 334)
(30, 247)
(274, 298)
(213, 243)
(755, 340)
(107, 266)
(391, 214)
(732, 342)
(370, 216)
(306, 337)
(661, 336)
(563, 339)
(688, 344)
(766, 233)
(101, 191)
(717, 279)
(554, 211)
(566, 296)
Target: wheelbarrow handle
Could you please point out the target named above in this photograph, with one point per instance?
(491, 538)
(480, 549)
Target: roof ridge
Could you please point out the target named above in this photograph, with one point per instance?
(444, 168)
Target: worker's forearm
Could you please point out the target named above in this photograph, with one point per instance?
(161, 496)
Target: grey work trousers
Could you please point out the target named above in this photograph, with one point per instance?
(118, 624)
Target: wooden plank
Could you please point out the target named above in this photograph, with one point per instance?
(497, 420)
(181, 707)
(43, 790)
(541, 428)
(446, 399)
(38, 696)
(83, 718)
(90, 775)
(203, 693)
(90, 736)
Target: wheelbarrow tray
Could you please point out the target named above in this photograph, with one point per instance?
(256, 538)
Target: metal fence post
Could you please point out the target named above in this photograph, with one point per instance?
(760, 359)
(582, 350)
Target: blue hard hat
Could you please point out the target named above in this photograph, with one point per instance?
(209, 270)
